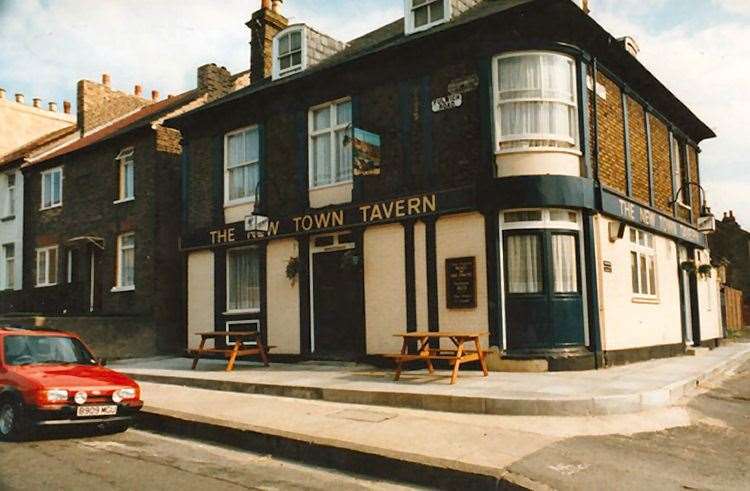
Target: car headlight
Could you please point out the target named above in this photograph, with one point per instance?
(122, 394)
(57, 395)
(80, 398)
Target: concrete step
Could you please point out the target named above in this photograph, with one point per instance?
(697, 351)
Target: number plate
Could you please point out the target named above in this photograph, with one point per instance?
(87, 411)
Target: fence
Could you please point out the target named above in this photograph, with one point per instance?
(731, 300)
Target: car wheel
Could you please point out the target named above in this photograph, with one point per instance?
(12, 424)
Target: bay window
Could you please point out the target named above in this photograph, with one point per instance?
(242, 165)
(423, 14)
(642, 263)
(330, 148)
(243, 280)
(536, 102)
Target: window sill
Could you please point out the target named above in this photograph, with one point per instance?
(237, 202)
(241, 312)
(415, 30)
(59, 205)
(8, 218)
(46, 285)
(570, 151)
(329, 186)
(124, 200)
(646, 300)
(117, 289)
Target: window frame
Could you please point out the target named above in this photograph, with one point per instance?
(648, 253)
(247, 199)
(678, 154)
(124, 158)
(331, 130)
(44, 188)
(276, 71)
(9, 270)
(251, 310)
(409, 17)
(119, 286)
(46, 251)
(9, 207)
(575, 149)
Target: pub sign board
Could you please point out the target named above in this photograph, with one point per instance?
(366, 148)
(461, 283)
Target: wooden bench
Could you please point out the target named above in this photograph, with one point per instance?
(232, 352)
(454, 357)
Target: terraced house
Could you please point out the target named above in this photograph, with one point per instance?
(502, 165)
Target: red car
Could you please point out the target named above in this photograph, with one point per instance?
(50, 378)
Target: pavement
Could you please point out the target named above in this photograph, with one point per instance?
(438, 448)
(619, 390)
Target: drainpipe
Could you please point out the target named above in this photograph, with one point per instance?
(596, 334)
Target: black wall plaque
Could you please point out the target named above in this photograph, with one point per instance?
(461, 283)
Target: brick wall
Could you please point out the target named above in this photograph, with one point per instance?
(638, 151)
(98, 104)
(611, 137)
(695, 193)
(662, 164)
(265, 24)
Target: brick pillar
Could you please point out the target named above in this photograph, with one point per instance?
(264, 25)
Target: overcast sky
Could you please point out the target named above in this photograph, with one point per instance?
(700, 49)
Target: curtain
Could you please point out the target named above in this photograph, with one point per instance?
(243, 278)
(524, 264)
(564, 263)
(322, 159)
(243, 181)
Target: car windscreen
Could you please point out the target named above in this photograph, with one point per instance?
(39, 350)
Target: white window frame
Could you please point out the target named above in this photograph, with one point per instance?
(276, 71)
(10, 195)
(44, 188)
(677, 148)
(9, 266)
(227, 310)
(496, 110)
(249, 322)
(331, 130)
(46, 251)
(124, 158)
(409, 17)
(119, 286)
(545, 222)
(248, 199)
(643, 251)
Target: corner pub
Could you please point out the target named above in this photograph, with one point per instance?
(500, 166)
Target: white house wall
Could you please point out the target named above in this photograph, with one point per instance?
(200, 289)
(11, 230)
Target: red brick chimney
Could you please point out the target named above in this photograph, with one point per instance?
(216, 80)
(154, 95)
(264, 25)
(137, 90)
(99, 104)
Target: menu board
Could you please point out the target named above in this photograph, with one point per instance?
(461, 283)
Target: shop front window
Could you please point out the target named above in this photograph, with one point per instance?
(243, 280)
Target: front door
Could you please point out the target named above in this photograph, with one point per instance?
(686, 289)
(338, 316)
(543, 304)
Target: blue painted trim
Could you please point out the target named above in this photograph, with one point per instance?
(358, 182)
(410, 276)
(218, 175)
(537, 191)
(404, 101)
(486, 112)
(583, 120)
(303, 246)
(302, 160)
(428, 150)
(492, 253)
(650, 155)
(433, 316)
(592, 288)
(626, 139)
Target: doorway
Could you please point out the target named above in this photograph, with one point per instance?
(542, 280)
(688, 291)
(337, 302)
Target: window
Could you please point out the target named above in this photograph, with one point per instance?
(46, 266)
(52, 188)
(9, 264)
(330, 149)
(564, 263)
(125, 262)
(643, 263)
(126, 175)
(541, 218)
(536, 102)
(679, 170)
(242, 162)
(10, 195)
(524, 264)
(243, 280)
(423, 14)
(289, 52)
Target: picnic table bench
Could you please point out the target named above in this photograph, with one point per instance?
(232, 352)
(454, 357)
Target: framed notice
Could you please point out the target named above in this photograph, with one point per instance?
(461, 283)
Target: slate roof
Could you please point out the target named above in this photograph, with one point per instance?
(393, 35)
(29, 148)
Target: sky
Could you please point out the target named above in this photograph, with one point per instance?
(698, 48)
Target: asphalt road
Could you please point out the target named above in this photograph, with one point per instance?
(140, 460)
(712, 453)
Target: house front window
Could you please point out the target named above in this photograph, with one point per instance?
(9, 263)
(243, 280)
(536, 102)
(289, 52)
(330, 148)
(46, 266)
(423, 14)
(10, 195)
(125, 262)
(52, 188)
(126, 175)
(242, 165)
(643, 264)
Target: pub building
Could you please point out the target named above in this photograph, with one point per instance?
(495, 166)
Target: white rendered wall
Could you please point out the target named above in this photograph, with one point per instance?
(200, 289)
(282, 298)
(11, 230)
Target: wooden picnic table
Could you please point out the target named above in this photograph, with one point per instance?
(232, 352)
(454, 357)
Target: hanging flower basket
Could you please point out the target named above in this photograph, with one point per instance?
(292, 268)
(705, 270)
(688, 266)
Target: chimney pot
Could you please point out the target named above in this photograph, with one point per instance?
(138, 90)
(52, 107)
(19, 98)
(2, 93)
(155, 95)
(276, 6)
(265, 4)
(37, 102)
(66, 107)
(106, 79)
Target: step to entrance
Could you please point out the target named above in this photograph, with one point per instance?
(697, 351)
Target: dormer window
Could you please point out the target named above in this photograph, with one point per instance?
(423, 14)
(289, 48)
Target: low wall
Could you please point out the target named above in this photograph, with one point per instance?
(108, 337)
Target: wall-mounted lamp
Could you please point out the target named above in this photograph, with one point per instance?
(616, 231)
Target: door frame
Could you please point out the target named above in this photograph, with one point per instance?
(336, 246)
